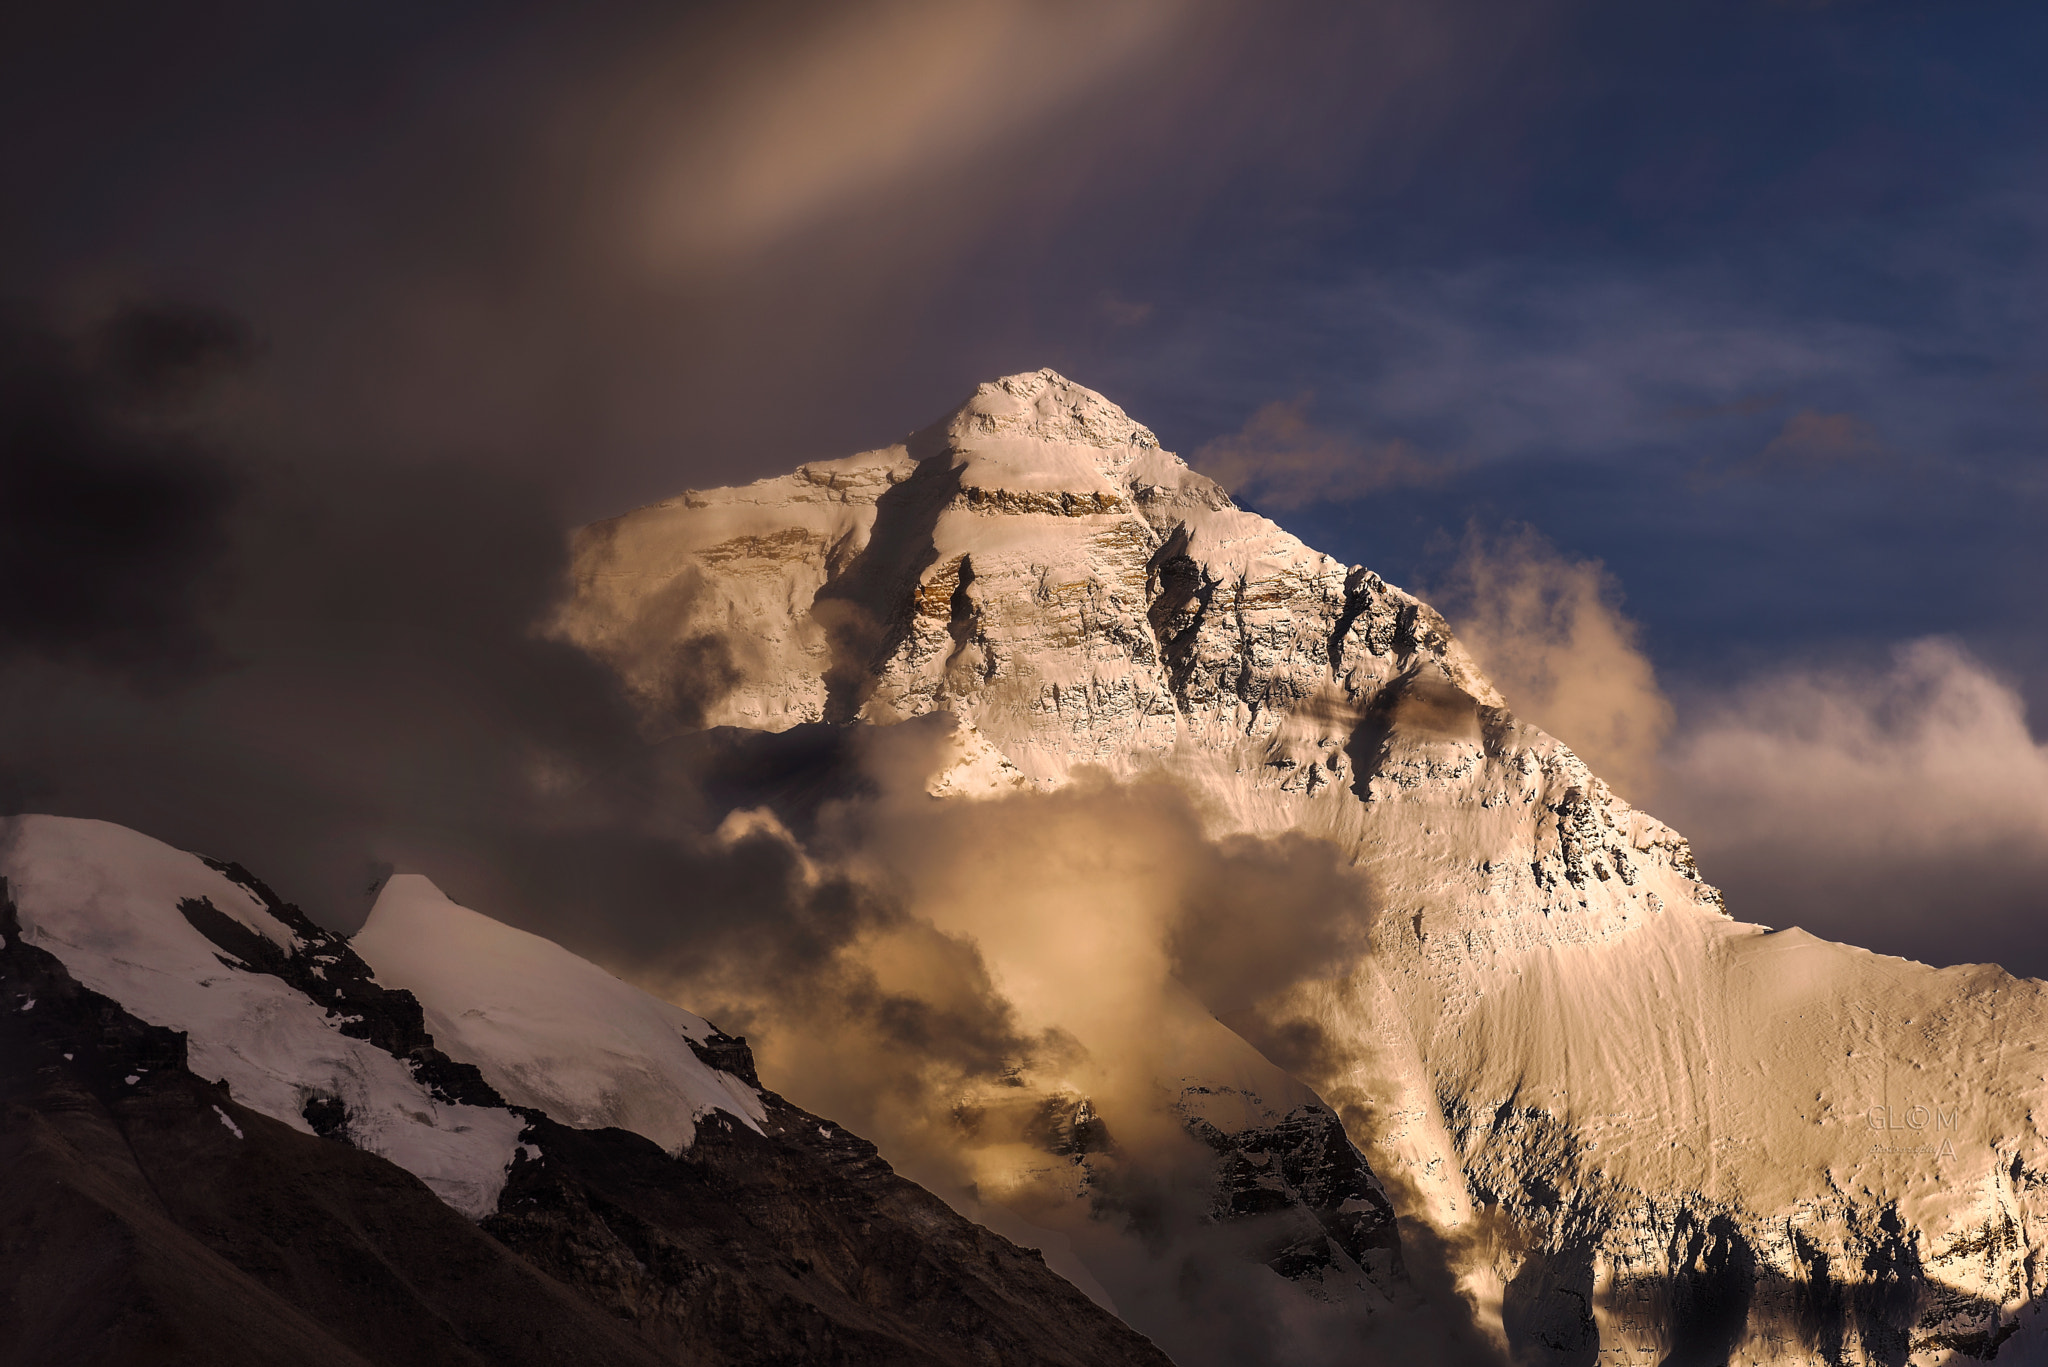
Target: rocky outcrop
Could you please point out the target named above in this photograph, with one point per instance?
(1303, 1164)
(793, 1246)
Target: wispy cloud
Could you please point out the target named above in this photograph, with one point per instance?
(1809, 443)
(1281, 460)
(1813, 438)
(854, 100)
(1550, 633)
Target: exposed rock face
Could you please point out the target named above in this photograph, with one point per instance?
(798, 1245)
(1303, 1164)
(1654, 1133)
(153, 1213)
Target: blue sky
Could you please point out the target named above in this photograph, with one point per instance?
(1607, 285)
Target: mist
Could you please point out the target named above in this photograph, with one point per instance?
(1550, 632)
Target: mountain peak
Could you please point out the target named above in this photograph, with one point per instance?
(547, 1028)
(1023, 438)
(1046, 406)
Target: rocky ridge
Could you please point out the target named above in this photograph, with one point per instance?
(1651, 1132)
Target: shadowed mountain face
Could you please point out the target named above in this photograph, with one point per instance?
(151, 1215)
(150, 1218)
(1626, 1125)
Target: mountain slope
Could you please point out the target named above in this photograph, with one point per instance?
(1641, 1128)
(148, 1217)
(549, 1030)
(228, 1142)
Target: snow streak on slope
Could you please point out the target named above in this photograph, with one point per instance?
(106, 901)
(1687, 1133)
(546, 1028)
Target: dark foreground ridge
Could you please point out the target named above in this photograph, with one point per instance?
(146, 1218)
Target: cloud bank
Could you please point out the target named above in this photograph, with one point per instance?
(1902, 807)
(1026, 954)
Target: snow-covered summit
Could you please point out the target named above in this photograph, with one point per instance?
(1041, 443)
(1044, 405)
(1555, 1024)
(546, 1028)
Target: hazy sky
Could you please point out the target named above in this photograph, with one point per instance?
(1744, 301)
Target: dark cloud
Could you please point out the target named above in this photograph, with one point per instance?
(113, 518)
(159, 352)
(341, 657)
